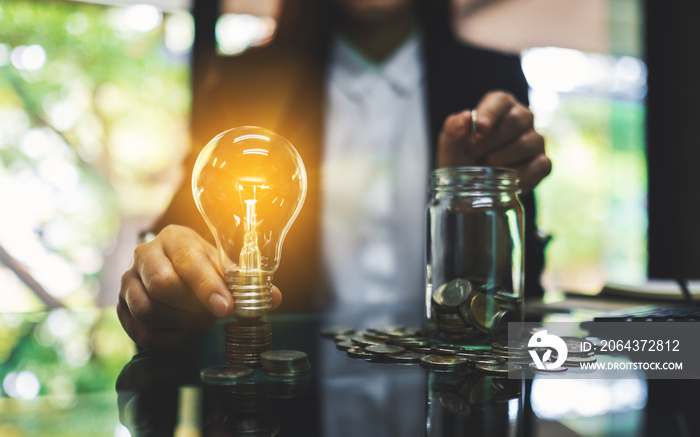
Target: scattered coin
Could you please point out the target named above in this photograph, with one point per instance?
(443, 362)
(344, 345)
(405, 357)
(363, 341)
(340, 338)
(497, 369)
(379, 338)
(412, 342)
(470, 352)
(577, 361)
(358, 352)
(384, 349)
(485, 359)
(556, 369)
(400, 332)
(446, 349)
(508, 346)
(422, 349)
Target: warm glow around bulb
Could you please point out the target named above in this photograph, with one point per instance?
(249, 184)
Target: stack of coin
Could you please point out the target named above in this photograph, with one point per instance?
(514, 351)
(246, 341)
(285, 363)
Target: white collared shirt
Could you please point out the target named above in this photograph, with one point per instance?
(374, 174)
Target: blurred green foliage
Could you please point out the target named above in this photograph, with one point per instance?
(92, 137)
(75, 357)
(594, 202)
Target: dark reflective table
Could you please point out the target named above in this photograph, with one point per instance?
(60, 370)
(341, 397)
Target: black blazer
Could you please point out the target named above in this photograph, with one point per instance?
(282, 89)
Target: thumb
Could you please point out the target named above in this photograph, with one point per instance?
(455, 142)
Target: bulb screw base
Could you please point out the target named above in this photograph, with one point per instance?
(252, 294)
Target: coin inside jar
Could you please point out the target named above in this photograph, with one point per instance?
(499, 328)
(479, 312)
(453, 294)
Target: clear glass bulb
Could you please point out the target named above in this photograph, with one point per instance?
(249, 184)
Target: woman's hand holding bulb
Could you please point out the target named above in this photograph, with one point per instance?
(174, 287)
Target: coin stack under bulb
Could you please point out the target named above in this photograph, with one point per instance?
(245, 341)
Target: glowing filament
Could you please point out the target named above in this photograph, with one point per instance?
(249, 258)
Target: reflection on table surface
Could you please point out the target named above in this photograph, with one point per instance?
(60, 369)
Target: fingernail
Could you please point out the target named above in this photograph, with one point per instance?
(218, 305)
(460, 126)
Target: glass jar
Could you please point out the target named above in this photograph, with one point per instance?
(475, 255)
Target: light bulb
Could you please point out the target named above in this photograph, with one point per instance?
(249, 184)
